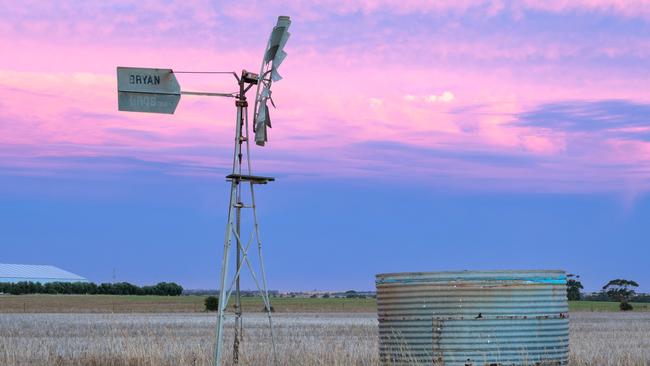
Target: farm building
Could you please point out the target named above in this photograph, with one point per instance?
(36, 273)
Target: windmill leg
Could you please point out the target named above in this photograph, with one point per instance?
(265, 291)
(238, 309)
(221, 317)
(256, 232)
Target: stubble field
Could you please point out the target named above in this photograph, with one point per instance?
(193, 304)
(173, 304)
(597, 338)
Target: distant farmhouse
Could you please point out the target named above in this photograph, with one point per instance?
(36, 273)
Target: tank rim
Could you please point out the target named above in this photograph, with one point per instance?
(462, 272)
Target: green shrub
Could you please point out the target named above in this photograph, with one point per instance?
(211, 303)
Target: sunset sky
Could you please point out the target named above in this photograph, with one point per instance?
(408, 136)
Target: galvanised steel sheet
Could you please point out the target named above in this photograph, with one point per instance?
(36, 273)
(473, 318)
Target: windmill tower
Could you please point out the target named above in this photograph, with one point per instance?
(242, 175)
(157, 91)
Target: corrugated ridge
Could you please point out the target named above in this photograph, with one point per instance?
(25, 272)
(507, 317)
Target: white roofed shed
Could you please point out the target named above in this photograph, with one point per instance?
(36, 273)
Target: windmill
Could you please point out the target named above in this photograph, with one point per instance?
(273, 57)
(158, 91)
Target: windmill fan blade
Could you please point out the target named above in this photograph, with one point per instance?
(263, 120)
(274, 75)
(274, 43)
(260, 136)
(273, 58)
(278, 38)
(284, 39)
(268, 116)
(280, 55)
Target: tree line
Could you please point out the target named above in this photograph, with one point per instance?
(89, 288)
(619, 290)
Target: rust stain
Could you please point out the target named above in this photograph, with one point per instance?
(436, 332)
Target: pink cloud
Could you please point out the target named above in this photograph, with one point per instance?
(315, 10)
(627, 8)
(339, 104)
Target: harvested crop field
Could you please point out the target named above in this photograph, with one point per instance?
(193, 304)
(172, 304)
(621, 339)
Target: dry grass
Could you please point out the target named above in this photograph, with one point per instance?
(170, 304)
(303, 339)
(181, 339)
(99, 304)
(192, 304)
(617, 339)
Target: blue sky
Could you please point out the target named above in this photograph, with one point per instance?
(409, 136)
(318, 233)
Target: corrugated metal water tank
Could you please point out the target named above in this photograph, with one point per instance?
(473, 318)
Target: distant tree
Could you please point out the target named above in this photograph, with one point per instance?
(105, 289)
(15, 288)
(326, 296)
(24, 288)
(125, 288)
(148, 290)
(90, 288)
(642, 298)
(48, 288)
(54, 288)
(168, 289)
(573, 287)
(621, 290)
(82, 288)
(211, 303)
(35, 288)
